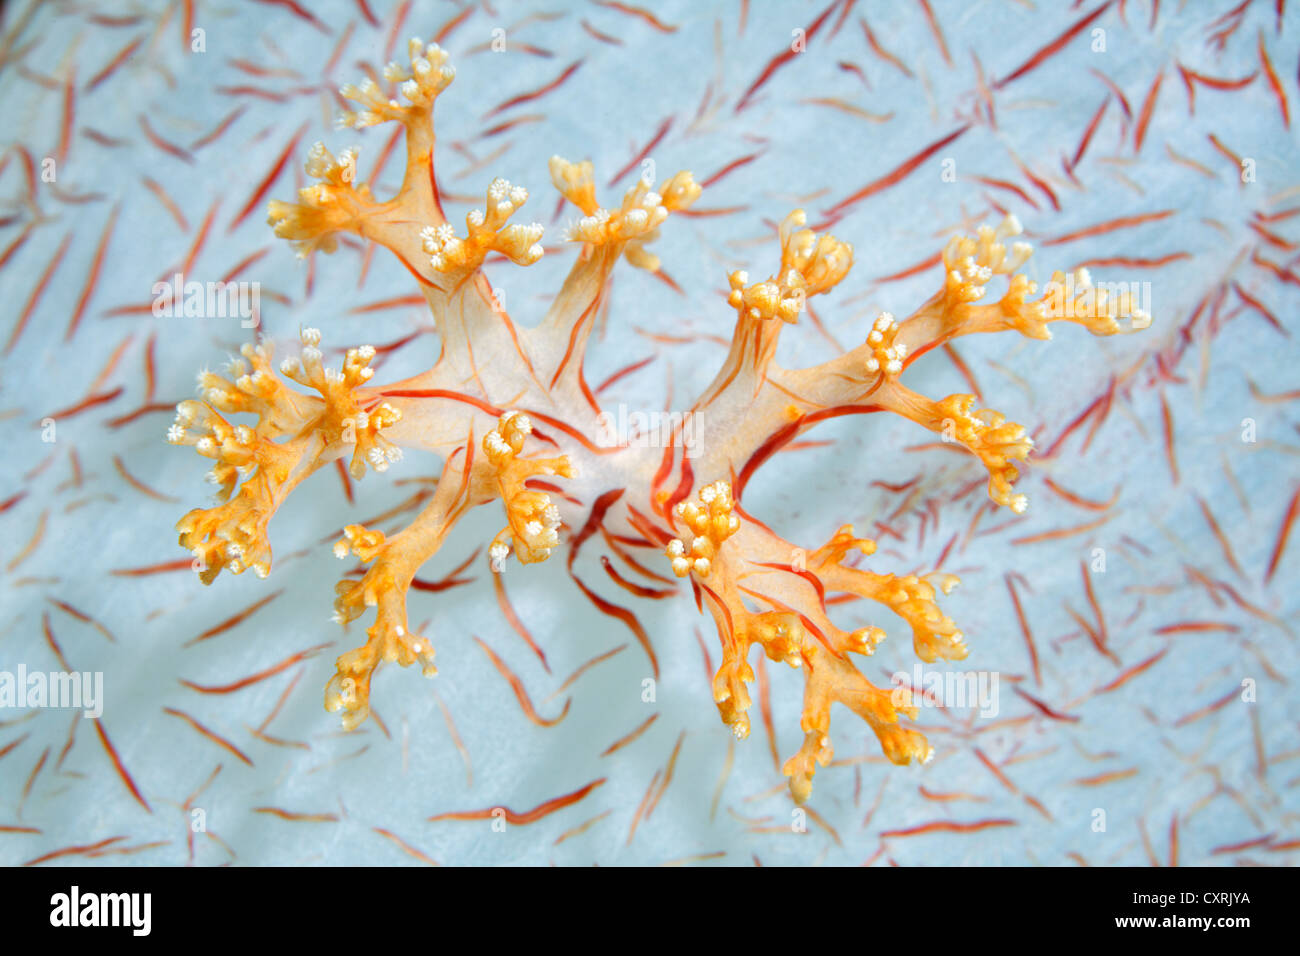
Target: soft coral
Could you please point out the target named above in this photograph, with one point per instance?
(518, 386)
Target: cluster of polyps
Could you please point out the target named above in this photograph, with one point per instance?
(428, 75)
(810, 265)
(233, 535)
(758, 587)
(712, 522)
(487, 232)
(885, 354)
(534, 521)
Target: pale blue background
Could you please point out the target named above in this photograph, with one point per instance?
(811, 155)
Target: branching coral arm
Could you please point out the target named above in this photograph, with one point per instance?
(605, 235)
(810, 265)
(412, 224)
(393, 565)
(750, 387)
(970, 263)
(737, 562)
(233, 534)
(533, 520)
(336, 204)
(467, 481)
(868, 376)
(731, 558)
(985, 433)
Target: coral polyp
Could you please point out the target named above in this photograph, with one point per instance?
(507, 409)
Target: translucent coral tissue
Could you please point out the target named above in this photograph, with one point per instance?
(521, 428)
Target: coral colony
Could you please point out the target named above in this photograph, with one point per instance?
(508, 410)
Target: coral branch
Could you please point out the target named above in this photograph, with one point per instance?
(335, 204)
(605, 237)
(796, 629)
(969, 265)
(233, 534)
(810, 265)
(393, 564)
(534, 521)
(466, 482)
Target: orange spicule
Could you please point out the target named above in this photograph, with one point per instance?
(495, 380)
